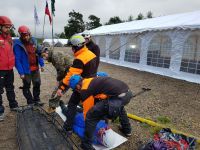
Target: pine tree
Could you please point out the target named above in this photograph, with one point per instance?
(94, 22)
(114, 20)
(75, 24)
(130, 18)
(149, 14)
(140, 16)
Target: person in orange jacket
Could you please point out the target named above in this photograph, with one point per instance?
(102, 97)
(84, 64)
(7, 62)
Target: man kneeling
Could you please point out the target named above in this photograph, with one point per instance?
(102, 97)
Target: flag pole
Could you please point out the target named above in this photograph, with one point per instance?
(52, 33)
(43, 26)
(52, 23)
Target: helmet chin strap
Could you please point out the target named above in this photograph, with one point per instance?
(76, 48)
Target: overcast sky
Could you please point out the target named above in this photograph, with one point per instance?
(21, 11)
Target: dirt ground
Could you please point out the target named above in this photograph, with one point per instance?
(177, 100)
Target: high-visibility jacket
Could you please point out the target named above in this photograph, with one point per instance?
(84, 64)
(101, 88)
(7, 58)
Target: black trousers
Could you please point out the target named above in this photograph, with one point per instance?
(97, 113)
(34, 77)
(71, 110)
(6, 81)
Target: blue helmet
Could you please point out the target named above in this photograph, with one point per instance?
(102, 74)
(74, 80)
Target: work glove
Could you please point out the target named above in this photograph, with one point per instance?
(54, 102)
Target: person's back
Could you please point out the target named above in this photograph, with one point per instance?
(108, 86)
(102, 97)
(61, 62)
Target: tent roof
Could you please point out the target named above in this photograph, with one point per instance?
(178, 21)
(62, 41)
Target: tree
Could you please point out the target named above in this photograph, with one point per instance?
(149, 14)
(140, 16)
(61, 35)
(75, 24)
(130, 18)
(114, 20)
(94, 22)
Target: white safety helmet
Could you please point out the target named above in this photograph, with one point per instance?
(108, 138)
(77, 40)
(86, 34)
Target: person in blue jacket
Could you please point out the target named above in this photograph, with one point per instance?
(27, 61)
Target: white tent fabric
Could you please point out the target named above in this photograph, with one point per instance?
(186, 20)
(170, 47)
(50, 42)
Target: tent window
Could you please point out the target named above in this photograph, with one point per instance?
(191, 55)
(159, 51)
(114, 50)
(102, 46)
(132, 52)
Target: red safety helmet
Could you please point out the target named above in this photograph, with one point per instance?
(24, 30)
(5, 21)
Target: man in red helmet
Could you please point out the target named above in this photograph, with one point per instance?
(7, 62)
(27, 63)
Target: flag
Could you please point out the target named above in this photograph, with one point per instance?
(53, 7)
(47, 12)
(36, 18)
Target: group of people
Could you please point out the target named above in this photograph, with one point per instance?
(101, 96)
(24, 54)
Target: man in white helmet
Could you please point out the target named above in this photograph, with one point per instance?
(93, 47)
(85, 65)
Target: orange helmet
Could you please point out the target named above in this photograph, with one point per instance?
(5, 21)
(24, 30)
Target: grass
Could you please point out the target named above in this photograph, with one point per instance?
(163, 120)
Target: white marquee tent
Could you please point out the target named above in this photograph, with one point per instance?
(57, 42)
(168, 45)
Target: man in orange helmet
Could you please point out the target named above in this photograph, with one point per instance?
(7, 62)
(27, 57)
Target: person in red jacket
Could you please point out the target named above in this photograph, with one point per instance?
(7, 62)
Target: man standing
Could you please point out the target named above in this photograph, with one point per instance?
(84, 64)
(91, 45)
(27, 63)
(102, 97)
(7, 62)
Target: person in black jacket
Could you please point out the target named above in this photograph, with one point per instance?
(101, 97)
(91, 45)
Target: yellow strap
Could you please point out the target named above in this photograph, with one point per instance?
(160, 125)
